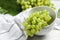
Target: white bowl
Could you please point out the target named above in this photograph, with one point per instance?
(21, 18)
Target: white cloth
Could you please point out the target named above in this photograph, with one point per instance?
(9, 30)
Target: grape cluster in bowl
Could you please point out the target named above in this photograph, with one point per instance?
(36, 22)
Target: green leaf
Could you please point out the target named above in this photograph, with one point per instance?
(3, 11)
(11, 6)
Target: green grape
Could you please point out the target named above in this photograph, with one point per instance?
(37, 32)
(33, 31)
(33, 15)
(22, 3)
(37, 28)
(35, 0)
(23, 7)
(47, 3)
(32, 26)
(39, 0)
(34, 18)
(25, 24)
(40, 24)
(31, 0)
(28, 27)
(44, 24)
(36, 22)
(28, 19)
(25, 3)
(47, 13)
(28, 2)
(39, 3)
(47, 18)
(52, 6)
(26, 6)
(18, 1)
(33, 22)
(30, 6)
(40, 12)
(29, 33)
(37, 15)
(34, 3)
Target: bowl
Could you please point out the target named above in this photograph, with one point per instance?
(21, 18)
(52, 14)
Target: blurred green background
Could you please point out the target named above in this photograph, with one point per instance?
(11, 6)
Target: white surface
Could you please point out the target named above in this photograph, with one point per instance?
(54, 35)
(6, 33)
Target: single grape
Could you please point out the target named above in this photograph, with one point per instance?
(25, 3)
(18, 1)
(38, 20)
(23, 7)
(47, 18)
(37, 14)
(28, 2)
(33, 22)
(40, 24)
(38, 4)
(37, 28)
(28, 27)
(25, 24)
(29, 6)
(34, 18)
(29, 33)
(32, 3)
(32, 26)
(22, 3)
(33, 31)
(26, 6)
(47, 3)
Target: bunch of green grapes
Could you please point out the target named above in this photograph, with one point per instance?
(36, 21)
(25, 4)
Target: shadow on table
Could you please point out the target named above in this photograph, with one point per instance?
(36, 38)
